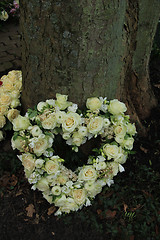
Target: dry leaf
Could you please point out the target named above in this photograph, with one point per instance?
(125, 206)
(110, 214)
(144, 149)
(51, 210)
(132, 237)
(30, 210)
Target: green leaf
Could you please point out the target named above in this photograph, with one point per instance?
(32, 113)
(16, 134)
(8, 126)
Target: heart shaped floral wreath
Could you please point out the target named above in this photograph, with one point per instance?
(35, 134)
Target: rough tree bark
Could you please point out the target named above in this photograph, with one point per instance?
(89, 48)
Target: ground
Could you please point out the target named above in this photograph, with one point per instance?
(129, 209)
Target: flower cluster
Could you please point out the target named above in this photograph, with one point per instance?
(35, 135)
(10, 88)
(9, 8)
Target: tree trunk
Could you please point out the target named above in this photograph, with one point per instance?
(89, 48)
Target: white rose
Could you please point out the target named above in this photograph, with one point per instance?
(51, 167)
(62, 102)
(1, 136)
(35, 131)
(119, 138)
(12, 114)
(112, 151)
(95, 125)
(73, 108)
(93, 188)
(71, 121)
(79, 196)
(49, 122)
(116, 107)
(56, 190)
(39, 163)
(3, 109)
(47, 196)
(77, 139)
(87, 173)
(51, 102)
(4, 15)
(18, 143)
(100, 165)
(120, 129)
(131, 129)
(28, 161)
(43, 184)
(93, 103)
(2, 121)
(59, 116)
(82, 131)
(20, 123)
(128, 143)
(113, 169)
(41, 105)
(66, 136)
(69, 205)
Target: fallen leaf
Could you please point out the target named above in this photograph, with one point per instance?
(30, 210)
(143, 149)
(157, 231)
(99, 211)
(157, 85)
(53, 233)
(131, 237)
(51, 210)
(110, 214)
(125, 206)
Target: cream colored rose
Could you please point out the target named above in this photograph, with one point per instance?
(43, 184)
(56, 190)
(79, 196)
(87, 173)
(51, 167)
(28, 161)
(71, 121)
(15, 103)
(113, 169)
(93, 103)
(4, 15)
(9, 86)
(12, 114)
(62, 179)
(49, 122)
(62, 102)
(1, 136)
(40, 144)
(15, 75)
(131, 129)
(111, 151)
(3, 109)
(20, 123)
(2, 121)
(95, 125)
(5, 99)
(116, 107)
